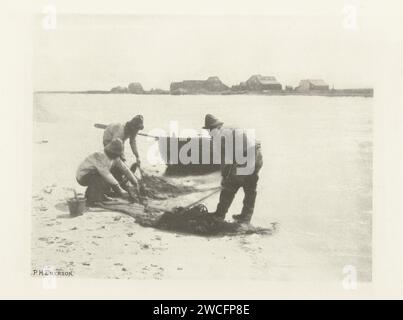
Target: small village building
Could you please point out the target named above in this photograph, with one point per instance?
(312, 85)
(119, 89)
(212, 84)
(215, 84)
(261, 83)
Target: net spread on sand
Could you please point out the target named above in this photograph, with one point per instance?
(154, 187)
(195, 220)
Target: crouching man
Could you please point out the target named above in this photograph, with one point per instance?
(95, 173)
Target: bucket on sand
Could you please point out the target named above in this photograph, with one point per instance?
(77, 205)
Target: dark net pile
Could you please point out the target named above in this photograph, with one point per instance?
(197, 220)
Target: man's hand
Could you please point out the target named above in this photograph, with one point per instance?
(119, 190)
(138, 162)
(124, 194)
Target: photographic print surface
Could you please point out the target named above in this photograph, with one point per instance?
(302, 85)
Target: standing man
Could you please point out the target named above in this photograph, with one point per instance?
(95, 173)
(231, 181)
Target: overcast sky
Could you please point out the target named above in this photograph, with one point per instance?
(99, 52)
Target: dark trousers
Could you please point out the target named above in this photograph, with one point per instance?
(97, 187)
(231, 183)
(231, 186)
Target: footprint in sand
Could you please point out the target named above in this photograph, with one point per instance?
(157, 272)
(48, 190)
(47, 240)
(143, 246)
(254, 251)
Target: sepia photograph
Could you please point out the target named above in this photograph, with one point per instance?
(202, 147)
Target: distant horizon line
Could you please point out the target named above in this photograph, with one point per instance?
(156, 88)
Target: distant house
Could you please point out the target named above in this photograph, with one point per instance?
(158, 91)
(215, 84)
(119, 90)
(239, 87)
(212, 84)
(136, 88)
(312, 85)
(260, 83)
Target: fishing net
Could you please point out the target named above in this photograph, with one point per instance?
(195, 220)
(158, 188)
(191, 220)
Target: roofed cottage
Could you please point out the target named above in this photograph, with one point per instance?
(212, 84)
(259, 83)
(312, 84)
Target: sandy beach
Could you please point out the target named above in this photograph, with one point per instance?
(316, 183)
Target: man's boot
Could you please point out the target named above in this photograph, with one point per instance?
(226, 198)
(244, 217)
(248, 208)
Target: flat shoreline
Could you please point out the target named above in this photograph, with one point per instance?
(330, 93)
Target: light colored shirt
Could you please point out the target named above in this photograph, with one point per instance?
(114, 131)
(99, 162)
(117, 130)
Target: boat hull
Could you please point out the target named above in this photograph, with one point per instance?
(172, 147)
